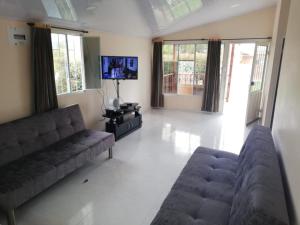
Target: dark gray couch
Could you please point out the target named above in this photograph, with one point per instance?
(220, 188)
(38, 151)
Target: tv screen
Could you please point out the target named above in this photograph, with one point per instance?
(119, 67)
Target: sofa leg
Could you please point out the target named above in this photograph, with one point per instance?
(110, 153)
(11, 217)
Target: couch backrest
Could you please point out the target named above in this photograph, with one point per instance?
(28, 135)
(259, 195)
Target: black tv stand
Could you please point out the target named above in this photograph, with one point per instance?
(123, 121)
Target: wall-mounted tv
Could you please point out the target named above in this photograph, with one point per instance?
(119, 67)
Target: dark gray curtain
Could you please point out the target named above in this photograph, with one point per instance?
(45, 97)
(157, 98)
(212, 78)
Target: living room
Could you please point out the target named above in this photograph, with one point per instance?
(103, 110)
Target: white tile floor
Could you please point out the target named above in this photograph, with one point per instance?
(130, 188)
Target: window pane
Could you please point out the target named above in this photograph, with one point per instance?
(184, 68)
(170, 55)
(259, 68)
(194, 4)
(75, 62)
(200, 68)
(60, 62)
(179, 10)
(187, 52)
(185, 77)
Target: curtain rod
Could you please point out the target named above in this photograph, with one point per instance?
(224, 39)
(70, 29)
(62, 28)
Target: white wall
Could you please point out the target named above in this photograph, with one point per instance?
(279, 33)
(15, 79)
(255, 24)
(16, 82)
(286, 128)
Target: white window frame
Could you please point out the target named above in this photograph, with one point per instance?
(194, 42)
(69, 91)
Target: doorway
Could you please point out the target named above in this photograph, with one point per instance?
(256, 82)
(242, 80)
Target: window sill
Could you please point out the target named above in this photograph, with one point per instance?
(171, 95)
(70, 93)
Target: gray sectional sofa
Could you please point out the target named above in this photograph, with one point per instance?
(220, 188)
(38, 151)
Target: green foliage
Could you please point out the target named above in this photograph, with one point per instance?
(60, 72)
(68, 78)
(186, 67)
(187, 52)
(75, 76)
(168, 52)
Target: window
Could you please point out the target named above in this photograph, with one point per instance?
(170, 64)
(168, 11)
(68, 62)
(184, 68)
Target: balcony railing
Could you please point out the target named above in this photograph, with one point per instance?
(172, 84)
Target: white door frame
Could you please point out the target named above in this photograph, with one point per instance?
(258, 43)
(224, 71)
(223, 76)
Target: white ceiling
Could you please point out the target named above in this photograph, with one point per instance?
(147, 18)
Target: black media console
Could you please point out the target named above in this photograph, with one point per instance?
(123, 121)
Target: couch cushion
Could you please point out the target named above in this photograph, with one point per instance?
(25, 136)
(22, 179)
(185, 208)
(35, 133)
(259, 195)
(210, 173)
(90, 138)
(71, 153)
(203, 192)
(68, 121)
(97, 141)
(10, 149)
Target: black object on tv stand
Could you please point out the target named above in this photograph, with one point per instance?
(123, 121)
(118, 89)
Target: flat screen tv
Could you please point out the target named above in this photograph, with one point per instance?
(119, 67)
